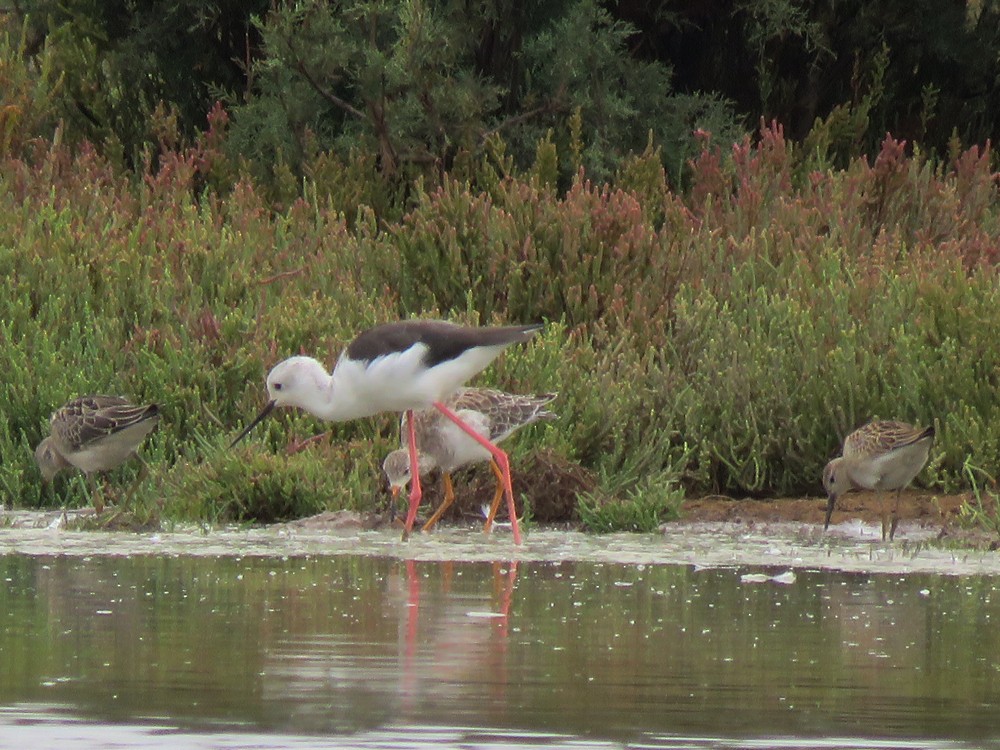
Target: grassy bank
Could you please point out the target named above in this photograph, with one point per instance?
(719, 340)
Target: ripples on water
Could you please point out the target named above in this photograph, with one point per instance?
(43, 730)
(266, 640)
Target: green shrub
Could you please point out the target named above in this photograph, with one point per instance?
(641, 510)
(724, 339)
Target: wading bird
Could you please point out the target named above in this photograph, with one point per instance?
(493, 414)
(879, 456)
(95, 433)
(401, 366)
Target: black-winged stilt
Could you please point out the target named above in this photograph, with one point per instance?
(400, 366)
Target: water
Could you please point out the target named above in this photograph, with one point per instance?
(185, 640)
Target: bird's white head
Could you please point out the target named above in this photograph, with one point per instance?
(298, 381)
(397, 468)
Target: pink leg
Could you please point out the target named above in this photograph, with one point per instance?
(498, 455)
(415, 491)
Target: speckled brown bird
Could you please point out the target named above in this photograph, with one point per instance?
(882, 455)
(93, 434)
(494, 414)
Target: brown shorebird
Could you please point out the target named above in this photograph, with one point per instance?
(401, 366)
(95, 433)
(493, 414)
(879, 456)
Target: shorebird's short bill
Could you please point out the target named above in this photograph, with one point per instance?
(260, 417)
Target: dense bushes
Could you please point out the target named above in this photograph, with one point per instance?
(720, 338)
(724, 339)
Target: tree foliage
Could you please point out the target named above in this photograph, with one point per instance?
(124, 63)
(426, 87)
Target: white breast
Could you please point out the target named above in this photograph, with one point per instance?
(459, 448)
(400, 381)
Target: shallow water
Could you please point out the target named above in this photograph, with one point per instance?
(281, 638)
(849, 547)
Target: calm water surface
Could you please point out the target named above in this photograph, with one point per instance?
(369, 651)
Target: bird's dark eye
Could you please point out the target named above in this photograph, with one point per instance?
(277, 386)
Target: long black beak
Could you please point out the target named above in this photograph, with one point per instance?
(267, 410)
(830, 500)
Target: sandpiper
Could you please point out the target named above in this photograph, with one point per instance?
(400, 366)
(95, 433)
(495, 415)
(882, 455)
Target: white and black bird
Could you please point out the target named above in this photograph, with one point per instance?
(881, 455)
(401, 367)
(494, 414)
(93, 434)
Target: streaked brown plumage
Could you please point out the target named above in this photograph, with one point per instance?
(94, 433)
(881, 455)
(494, 414)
